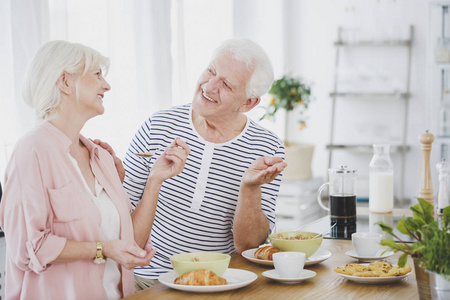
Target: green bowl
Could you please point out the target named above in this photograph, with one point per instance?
(279, 240)
(216, 262)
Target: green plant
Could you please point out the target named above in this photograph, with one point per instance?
(288, 93)
(436, 246)
(432, 238)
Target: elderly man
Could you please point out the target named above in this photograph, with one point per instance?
(224, 199)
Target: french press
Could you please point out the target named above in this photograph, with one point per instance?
(342, 200)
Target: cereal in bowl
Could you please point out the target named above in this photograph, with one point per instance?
(297, 237)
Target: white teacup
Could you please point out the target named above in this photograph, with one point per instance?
(289, 264)
(366, 244)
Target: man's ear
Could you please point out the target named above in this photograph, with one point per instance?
(64, 83)
(250, 104)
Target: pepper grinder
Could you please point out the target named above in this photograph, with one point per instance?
(426, 186)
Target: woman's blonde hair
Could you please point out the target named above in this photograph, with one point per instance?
(41, 90)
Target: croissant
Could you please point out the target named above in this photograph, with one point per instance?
(266, 252)
(200, 277)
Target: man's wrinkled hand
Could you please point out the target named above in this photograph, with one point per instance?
(263, 170)
(117, 161)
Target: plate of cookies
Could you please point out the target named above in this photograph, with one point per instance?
(263, 255)
(377, 272)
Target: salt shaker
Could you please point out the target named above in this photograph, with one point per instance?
(381, 180)
(442, 200)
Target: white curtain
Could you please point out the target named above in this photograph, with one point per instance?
(264, 22)
(22, 31)
(153, 50)
(136, 35)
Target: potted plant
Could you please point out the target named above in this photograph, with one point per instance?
(435, 248)
(430, 251)
(289, 93)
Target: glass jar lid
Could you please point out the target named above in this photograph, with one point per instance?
(342, 170)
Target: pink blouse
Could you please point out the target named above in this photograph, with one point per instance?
(44, 203)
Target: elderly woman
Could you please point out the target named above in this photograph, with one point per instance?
(65, 214)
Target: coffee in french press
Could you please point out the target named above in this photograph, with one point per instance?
(342, 201)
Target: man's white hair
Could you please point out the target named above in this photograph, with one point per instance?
(256, 60)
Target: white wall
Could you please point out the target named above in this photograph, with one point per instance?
(312, 55)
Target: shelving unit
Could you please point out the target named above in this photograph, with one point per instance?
(439, 76)
(378, 95)
(365, 148)
(404, 95)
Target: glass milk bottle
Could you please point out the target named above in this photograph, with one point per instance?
(381, 180)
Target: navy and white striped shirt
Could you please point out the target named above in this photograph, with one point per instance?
(195, 209)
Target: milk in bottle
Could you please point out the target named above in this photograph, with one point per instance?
(381, 180)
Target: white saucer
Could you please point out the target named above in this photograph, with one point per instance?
(273, 274)
(379, 255)
(319, 256)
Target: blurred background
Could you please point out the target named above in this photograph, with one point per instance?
(374, 59)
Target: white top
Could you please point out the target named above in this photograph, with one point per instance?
(111, 231)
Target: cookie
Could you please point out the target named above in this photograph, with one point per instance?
(397, 271)
(383, 266)
(369, 274)
(354, 267)
(340, 270)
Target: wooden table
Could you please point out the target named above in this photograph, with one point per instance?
(325, 285)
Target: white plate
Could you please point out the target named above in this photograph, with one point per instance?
(319, 256)
(236, 278)
(378, 256)
(374, 280)
(305, 274)
(250, 255)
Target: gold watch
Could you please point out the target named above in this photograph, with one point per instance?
(99, 258)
